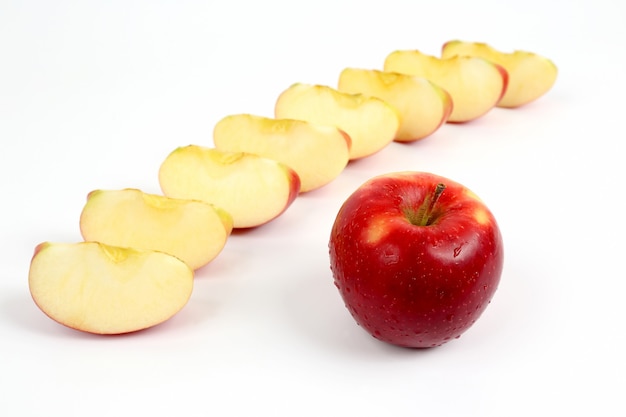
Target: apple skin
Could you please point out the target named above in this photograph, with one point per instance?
(411, 285)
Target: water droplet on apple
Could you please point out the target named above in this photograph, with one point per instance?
(390, 255)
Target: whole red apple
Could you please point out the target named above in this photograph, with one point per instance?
(416, 258)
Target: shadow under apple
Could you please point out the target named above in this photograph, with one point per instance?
(316, 311)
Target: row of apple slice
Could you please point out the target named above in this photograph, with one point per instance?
(530, 75)
(136, 265)
(135, 268)
(475, 76)
(407, 101)
(257, 168)
(207, 193)
(317, 130)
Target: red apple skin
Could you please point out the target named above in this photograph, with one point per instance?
(411, 285)
(505, 79)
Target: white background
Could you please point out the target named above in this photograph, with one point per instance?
(96, 94)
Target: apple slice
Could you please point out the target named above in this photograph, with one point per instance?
(423, 106)
(193, 231)
(475, 84)
(317, 153)
(370, 122)
(530, 75)
(104, 289)
(252, 189)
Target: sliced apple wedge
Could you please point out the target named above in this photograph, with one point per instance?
(370, 122)
(317, 153)
(475, 84)
(193, 231)
(422, 106)
(96, 288)
(530, 75)
(251, 188)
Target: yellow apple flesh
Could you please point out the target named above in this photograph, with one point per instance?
(252, 189)
(193, 231)
(475, 84)
(370, 122)
(103, 289)
(317, 153)
(530, 75)
(422, 106)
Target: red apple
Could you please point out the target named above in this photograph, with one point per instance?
(416, 258)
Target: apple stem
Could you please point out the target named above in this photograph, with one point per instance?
(427, 208)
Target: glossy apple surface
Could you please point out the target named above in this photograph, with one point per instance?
(416, 267)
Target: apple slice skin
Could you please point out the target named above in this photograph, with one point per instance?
(254, 190)
(370, 122)
(102, 289)
(194, 231)
(475, 84)
(411, 285)
(530, 75)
